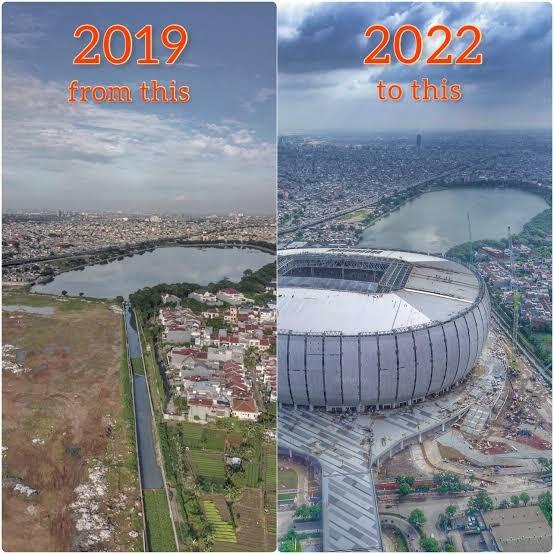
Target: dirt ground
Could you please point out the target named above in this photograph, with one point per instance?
(63, 429)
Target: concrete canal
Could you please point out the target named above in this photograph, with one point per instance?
(151, 475)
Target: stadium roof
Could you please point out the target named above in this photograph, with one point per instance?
(435, 290)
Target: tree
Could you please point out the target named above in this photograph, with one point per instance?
(417, 518)
(449, 547)
(524, 497)
(545, 504)
(404, 489)
(503, 505)
(448, 482)
(64, 293)
(515, 500)
(429, 544)
(450, 511)
(81, 294)
(481, 501)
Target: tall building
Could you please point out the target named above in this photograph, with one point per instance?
(418, 141)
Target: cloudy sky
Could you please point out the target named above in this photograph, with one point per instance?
(323, 84)
(214, 154)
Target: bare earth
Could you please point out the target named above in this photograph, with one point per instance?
(62, 429)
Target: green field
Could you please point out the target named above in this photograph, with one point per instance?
(197, 436)
(270, 473)
(545, 339)
(252, 470)
(137, 365)
(214, 440)
(158, 521)
(222, 530)
(192, 434)
(288, 479)
(208, 464)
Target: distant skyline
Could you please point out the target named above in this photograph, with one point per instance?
(214, 154)
(324, 86)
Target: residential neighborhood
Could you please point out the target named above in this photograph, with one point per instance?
(220, 361)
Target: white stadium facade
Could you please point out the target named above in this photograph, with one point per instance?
(361, 328)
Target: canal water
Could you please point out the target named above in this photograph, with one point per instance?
(437, 221)
(164, 265)
(151, 474)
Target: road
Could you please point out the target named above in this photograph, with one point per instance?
(408, 530)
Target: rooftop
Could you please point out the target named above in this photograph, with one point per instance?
(369, 291)
(523, 529)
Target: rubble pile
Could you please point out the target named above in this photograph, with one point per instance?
(9, 360)
(91, 523)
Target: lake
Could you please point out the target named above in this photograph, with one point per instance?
(163, 265)
(437, 221)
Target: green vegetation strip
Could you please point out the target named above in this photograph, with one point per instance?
(158, 522)
(222, 530)
(137, 365)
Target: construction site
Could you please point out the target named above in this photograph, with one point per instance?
(492, 433)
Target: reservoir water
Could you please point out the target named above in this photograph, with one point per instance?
(163, 265)
(437, 221)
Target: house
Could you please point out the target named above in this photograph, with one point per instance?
(171, 299)
(244, 408)
(205, 297)
(203, 410)
(231, 296)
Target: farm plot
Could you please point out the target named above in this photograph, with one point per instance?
(252, 470)
(158, 522)
(223, 531)
(270, 469)
(192, 434)
(271, 521)
(208, 464)
(198, 436)
(249, 511)
(214, 440)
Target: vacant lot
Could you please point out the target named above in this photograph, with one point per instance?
(69, 479)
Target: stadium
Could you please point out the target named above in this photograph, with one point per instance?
(362, 328)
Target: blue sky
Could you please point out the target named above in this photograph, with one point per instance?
(214, 154)
(323, 84)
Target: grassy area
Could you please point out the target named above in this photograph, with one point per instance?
(358, 215)
(198, 436)
(137, 365)
(158, 522)
(288, 479)
(545, 340)
(24, 297)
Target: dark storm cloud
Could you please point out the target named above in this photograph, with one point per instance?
(331, 36)
(321, 54)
